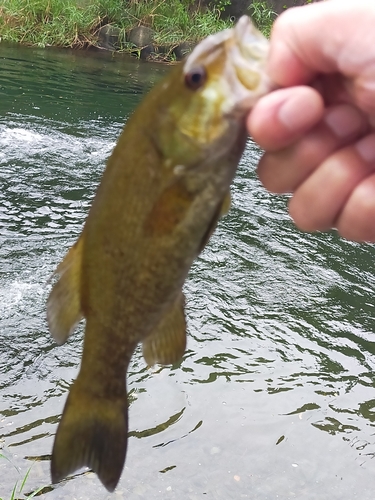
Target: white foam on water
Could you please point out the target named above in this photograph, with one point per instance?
(14, 294)
(8, 135)
(52, 140)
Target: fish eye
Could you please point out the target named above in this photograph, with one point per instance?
(195, 78)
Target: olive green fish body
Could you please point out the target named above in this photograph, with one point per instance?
(164, 187)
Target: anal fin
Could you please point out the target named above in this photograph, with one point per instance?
(167, 343)
(64, 302)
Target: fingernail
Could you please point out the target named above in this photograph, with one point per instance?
(366, 148)
(344, 120)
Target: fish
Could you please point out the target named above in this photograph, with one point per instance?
(165, 185)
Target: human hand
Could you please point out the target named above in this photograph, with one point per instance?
(319, 140)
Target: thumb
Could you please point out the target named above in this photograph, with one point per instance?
(327, 37)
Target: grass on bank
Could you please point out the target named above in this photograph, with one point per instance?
(263, 16)
(75, 23)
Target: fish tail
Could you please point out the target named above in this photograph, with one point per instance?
(92, 432)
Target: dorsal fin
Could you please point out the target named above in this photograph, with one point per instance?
(64, 303)
(167, 343)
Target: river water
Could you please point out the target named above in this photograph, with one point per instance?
(274, 398)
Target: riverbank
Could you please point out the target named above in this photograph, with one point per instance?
(156, 29)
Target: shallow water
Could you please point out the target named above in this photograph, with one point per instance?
(274, 397)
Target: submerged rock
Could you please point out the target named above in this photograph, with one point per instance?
(183, 49)
(141, 36)
(110, 37)
(142, 45)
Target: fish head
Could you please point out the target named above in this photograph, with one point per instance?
(218, 84)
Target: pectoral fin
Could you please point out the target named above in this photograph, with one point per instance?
(222, 209)
(64, 302)
(225, 206)
(167, 343)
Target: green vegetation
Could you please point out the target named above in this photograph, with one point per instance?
(47, 22)
(17, 490)
(75, 23)
(172, 20)
(262, 16)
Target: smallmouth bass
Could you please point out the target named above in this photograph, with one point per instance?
(165, 186)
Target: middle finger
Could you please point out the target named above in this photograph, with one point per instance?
(283, 171)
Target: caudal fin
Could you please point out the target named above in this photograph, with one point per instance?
(92, 432)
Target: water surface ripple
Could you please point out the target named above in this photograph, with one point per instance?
(274, 397)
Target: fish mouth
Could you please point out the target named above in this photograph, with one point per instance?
(239, 56)
(234, 64)
(253, 45)
(248, 56)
